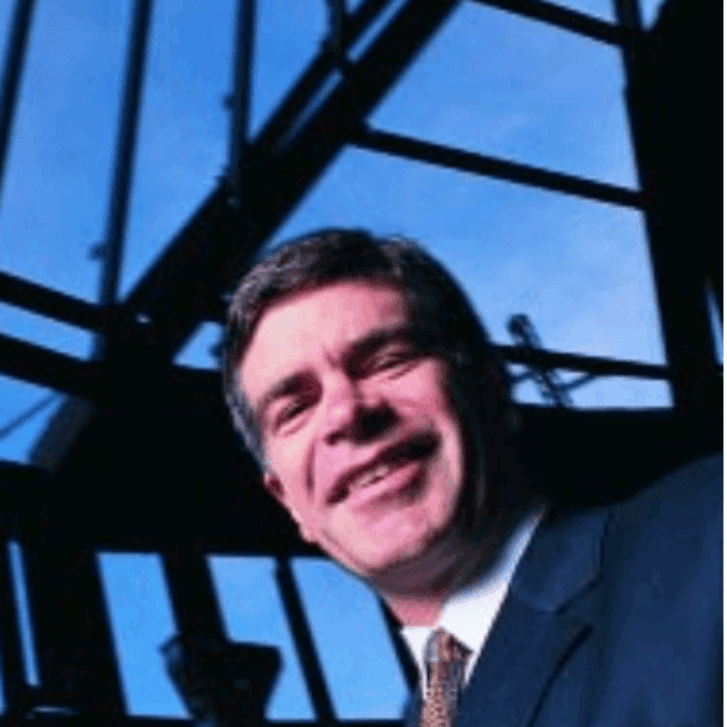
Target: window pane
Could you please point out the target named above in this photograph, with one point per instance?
(45, 332)
(650, 10)
(288, 36)
(17, 399)
(358, 658)
(7, 10)
(198, 351)
(578, 269)
(253, 612)
(184, 126)
(57, 178)
(500, 84)
(602, 9)
(716, 324)
(20, 593)
(141, 620)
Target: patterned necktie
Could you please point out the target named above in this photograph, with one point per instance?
(446, 661)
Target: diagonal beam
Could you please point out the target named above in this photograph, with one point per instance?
(183, 250)
(123, 164)
(14, 61)
(58, 306)
(197, 267)
(313, 78)
(37, 365)
(565, 19)
(465, 161)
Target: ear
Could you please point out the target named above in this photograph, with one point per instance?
(275, 487)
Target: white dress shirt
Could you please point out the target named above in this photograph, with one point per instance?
(470, 613)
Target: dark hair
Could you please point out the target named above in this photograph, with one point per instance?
(444, 321)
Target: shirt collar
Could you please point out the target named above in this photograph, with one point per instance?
(469, 613)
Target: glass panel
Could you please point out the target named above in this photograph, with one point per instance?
(2, 689)
(46, 332)
(253, 612)
(716, 324)
(617, 392)
(578, 269)
(607, 392)
(499, 84)
(58, 171)
(199, 351)
(650, 10)
(141, 620)
(20, 592)
(25, 410)
(288, 36)
(358, 657)
(7, 11)
(601, 9)
(184, 126)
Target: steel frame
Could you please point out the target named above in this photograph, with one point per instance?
(185, 285)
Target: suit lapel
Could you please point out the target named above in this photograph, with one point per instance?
(534, 634)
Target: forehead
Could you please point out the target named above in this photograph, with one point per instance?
(315, 323)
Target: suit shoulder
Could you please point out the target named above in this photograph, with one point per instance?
(674, 524)
(692, 493)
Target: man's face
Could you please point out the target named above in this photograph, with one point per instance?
(338, 385)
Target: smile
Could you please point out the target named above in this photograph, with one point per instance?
(386, 479)
(372, 476)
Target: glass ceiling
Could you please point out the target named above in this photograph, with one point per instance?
(489, 82)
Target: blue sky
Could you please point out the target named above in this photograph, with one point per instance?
(489, 82)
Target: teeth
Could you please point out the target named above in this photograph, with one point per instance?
(374, 475)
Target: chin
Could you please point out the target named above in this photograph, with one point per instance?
(404, 565)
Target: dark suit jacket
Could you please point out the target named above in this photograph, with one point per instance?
(614, 617)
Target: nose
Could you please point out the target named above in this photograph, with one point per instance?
(354, 412)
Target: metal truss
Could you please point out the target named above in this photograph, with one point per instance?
(197, 265)
(137, 338)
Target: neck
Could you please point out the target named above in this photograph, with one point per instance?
(420, 602)
(422, 605)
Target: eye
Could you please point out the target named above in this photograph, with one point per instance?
(291, 411)
(390, 360)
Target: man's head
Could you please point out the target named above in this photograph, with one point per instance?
(347, 353)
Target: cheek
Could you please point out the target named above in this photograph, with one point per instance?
(426, 387)
(288, 465)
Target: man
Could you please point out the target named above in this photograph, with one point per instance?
(363, 382)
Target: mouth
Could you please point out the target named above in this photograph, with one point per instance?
(412, 450)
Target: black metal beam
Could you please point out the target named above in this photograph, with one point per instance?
(17, 45)
(628, 17)
(576, 362)
(304, 643)
(677, 137)
(241, 98)
(127, 134)
(58, 306)
(312, 79)
(74, 645)
(163, 292)
(465, 161)
(561, 17)
(37, 365)
(172, 301)
(192, 592)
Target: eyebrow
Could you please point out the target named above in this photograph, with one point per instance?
(355, 350)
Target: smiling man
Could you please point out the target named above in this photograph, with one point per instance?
(364, 384)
